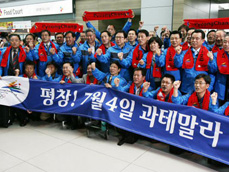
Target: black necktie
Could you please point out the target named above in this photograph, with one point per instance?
(15, 56)
(109, 82)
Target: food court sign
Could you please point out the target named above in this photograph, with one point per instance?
(49, 8)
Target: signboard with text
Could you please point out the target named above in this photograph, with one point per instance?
(22, 25)
(189, 128)
(49, 8)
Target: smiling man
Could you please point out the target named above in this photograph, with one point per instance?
(135, 88)
(68, 51)
(166, 59)
(196, 60)
(132, 38)
(141, 48)
(59, 37)
(200, 98)
(163, 93)
(13, 57)
(120, 52)
(219, 36)
(222, 74)
(87, 50)
(43, 52)
(211, 37)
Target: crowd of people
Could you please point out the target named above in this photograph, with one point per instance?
(185, 66)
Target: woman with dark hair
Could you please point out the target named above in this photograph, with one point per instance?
(154, 73)
(184, 30)
(30, 40)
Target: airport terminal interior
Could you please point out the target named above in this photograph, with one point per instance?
(50, 145)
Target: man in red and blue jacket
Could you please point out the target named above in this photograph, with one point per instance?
(196, 60)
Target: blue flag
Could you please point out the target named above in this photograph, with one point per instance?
(189, 128)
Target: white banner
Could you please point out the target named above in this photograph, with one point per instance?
(59, 7)
(22, 25)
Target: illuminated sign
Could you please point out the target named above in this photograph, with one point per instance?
(49, 8)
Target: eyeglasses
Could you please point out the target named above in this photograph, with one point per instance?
(200, 83)
(119, 37)
(14, 40)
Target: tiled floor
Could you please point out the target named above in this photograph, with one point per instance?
(44, 147)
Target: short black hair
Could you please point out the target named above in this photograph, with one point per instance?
(71, 64)
(28, 62)
(73, 34)
(144, 31)
(11, 35)
(169, 76)
(199, 31)
(30, 34)
(141, 69)
(89, 63)
(46, 31)
(105, 31)
(156, 39)
(206, 78)
(174, 33)
(210, 32)
(183, 26)
(90, 30)
(112, 25)
(52, 63)
(117, 63)
(132, 30)
(162, 32)
(123, 32)
(59, 33)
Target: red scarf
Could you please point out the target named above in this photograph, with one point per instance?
(201, 62)
(156, 69)
(103, 48)
(89, 82)
(215, 49)
(21, 58)
(137, 56)
(161, 96)
(63, 79)
(25, 76)
(223, 62)
(227, 111)
(131, 90)
(169, 59)
(79, 72)
(193, 100)
(185, 46)
(42, 52)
